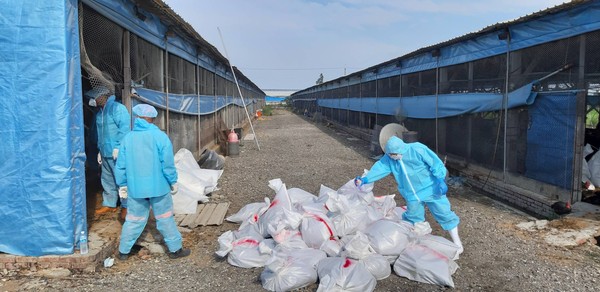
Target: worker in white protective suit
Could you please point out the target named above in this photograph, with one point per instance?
(420, 175)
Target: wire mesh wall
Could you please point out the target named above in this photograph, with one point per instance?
(498, 139)
(151, 68)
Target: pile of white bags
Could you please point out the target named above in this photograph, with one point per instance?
(345, 239)
(194, 183)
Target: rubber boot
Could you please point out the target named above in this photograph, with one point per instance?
(456, 239)
(122, 215)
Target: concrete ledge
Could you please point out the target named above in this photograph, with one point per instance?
(103, 236)
(528, 201)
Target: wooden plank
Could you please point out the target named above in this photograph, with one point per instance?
(179, 218)
(194, 223)
(189, 219)
(206, 213)
(218, 214)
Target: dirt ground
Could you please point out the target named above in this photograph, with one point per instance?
(498, 256)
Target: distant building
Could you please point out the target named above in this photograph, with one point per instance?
(277, 96)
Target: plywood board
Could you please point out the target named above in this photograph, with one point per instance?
(201, 208)
(189, 219)
(218, 214)
(206, 213)
(179, 218)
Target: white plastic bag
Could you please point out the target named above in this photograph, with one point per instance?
(349, 214)
(242, 252)
(396, 214)
(316, 229)
(594, 166)
(377, 265)
(389, 237)
(279, 215)
(344, 274)
(300, 196)
(246, 212)
(384, 205)
(358, 246)
(440, 244)
(291, 269)
(290, 239)
(422, 264)
(364, 192)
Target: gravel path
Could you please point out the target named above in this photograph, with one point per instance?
(498, 256)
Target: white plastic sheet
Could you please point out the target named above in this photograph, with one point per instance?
(194, 183)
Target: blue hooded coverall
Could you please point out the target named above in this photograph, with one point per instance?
(112, 124)
(417, 175)
(146, 166)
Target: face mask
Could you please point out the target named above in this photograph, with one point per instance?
(92, 102)
(396, 156)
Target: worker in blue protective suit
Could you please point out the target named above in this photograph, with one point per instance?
(420, 175)
(112, 123)
(146, 175)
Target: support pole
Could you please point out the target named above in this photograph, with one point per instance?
(239, 90)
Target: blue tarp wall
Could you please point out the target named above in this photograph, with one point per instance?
(550, 137)
(42, 180)
(425, 107)
(190, 104)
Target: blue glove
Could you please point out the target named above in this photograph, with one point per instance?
(442, 187)
(358, 181)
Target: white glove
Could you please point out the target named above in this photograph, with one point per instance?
(123, 192)
(99, 159)
(174, 189)
(115, 153)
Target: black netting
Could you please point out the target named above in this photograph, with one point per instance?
(175, 74)
(537, 62)
(489, 74)
(454, 79)
(101, 50)
(146, 67)
(388, 87)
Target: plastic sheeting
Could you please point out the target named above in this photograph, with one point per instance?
(420, 107)
(550, 139)
(42, 181)
(188, 103)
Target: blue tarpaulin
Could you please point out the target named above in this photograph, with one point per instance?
(424, 107)
(188, 103)
(42, 181)
(550, 136)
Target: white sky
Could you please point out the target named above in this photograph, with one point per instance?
(286, 44)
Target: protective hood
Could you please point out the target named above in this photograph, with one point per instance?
(396, 145)
(142, 125)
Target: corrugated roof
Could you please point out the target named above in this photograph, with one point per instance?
(491, 28)
(184, 29)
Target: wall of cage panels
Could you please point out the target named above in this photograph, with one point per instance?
(513, 140)
(148, 66)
